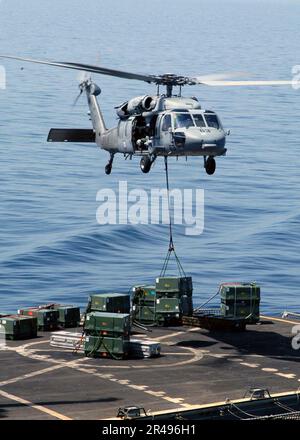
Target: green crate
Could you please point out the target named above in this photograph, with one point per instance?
(177, 285)
(108, 324)
(249, 310)
(19, 327)
(144, 295)
(149, 316)
(144, 313)
(110, 302)
(170, 318)
(187, 305)
(68, 316)
(239, 291)
(47, 319)
(95, 346)
(168, 305)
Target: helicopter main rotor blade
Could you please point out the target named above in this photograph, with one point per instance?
(221, 80)
(88, 68)
(247, 83)
(217, 77)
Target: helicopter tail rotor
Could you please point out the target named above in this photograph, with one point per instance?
(84, 79)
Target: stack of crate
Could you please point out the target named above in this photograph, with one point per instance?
(240, 300)
(174, 296)
(144, 304)
(107, 326)
(165, 303)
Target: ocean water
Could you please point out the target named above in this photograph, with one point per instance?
(51, 247)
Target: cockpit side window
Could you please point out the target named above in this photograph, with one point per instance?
(199, 121)
(166, 123)
(212, 120)
(183, 120)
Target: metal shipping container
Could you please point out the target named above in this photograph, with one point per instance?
(95, 346)
(19, 327)
(144, 295)
(248, 310)
(68, 315)
(110, 302)
(144, 314)
(239, 291)
(107, 324)
(179, 285)
(47, 319)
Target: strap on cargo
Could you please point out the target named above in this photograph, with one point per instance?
(171, 242)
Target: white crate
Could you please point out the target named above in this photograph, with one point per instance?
(67, 340)
(144, 348)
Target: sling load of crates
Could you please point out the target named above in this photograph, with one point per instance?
(165, 303)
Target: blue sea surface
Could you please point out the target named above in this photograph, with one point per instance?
(51, 246)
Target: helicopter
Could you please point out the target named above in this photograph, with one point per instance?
(150, 126)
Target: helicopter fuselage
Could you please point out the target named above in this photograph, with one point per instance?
(152, 126)
(175, 127)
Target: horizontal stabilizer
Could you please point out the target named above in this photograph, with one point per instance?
(71, 135)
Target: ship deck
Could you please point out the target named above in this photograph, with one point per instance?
(197, 367)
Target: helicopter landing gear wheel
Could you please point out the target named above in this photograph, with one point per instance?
(108, 167)
(145, 164)
(210, 165)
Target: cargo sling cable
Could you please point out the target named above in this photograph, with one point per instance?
(171, 242)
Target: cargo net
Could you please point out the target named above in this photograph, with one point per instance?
(287, 414)
(171, 249)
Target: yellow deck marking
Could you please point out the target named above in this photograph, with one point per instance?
(246, 364)
(28, 375)
(143, 388)
(286, 321)
(34, 406)
(172, 335)
(286, 375)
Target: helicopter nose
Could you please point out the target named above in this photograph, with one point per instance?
(208, 143)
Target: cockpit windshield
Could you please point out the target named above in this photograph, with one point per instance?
(183, 120)
(212, 120)
(199, 121)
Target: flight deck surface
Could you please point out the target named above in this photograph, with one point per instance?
(197, 367)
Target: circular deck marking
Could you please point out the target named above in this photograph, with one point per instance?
(29, 350)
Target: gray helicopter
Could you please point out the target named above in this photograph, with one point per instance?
(151, 126)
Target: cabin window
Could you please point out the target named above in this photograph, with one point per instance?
(183, 120)
(166, 124)
(212, 121)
